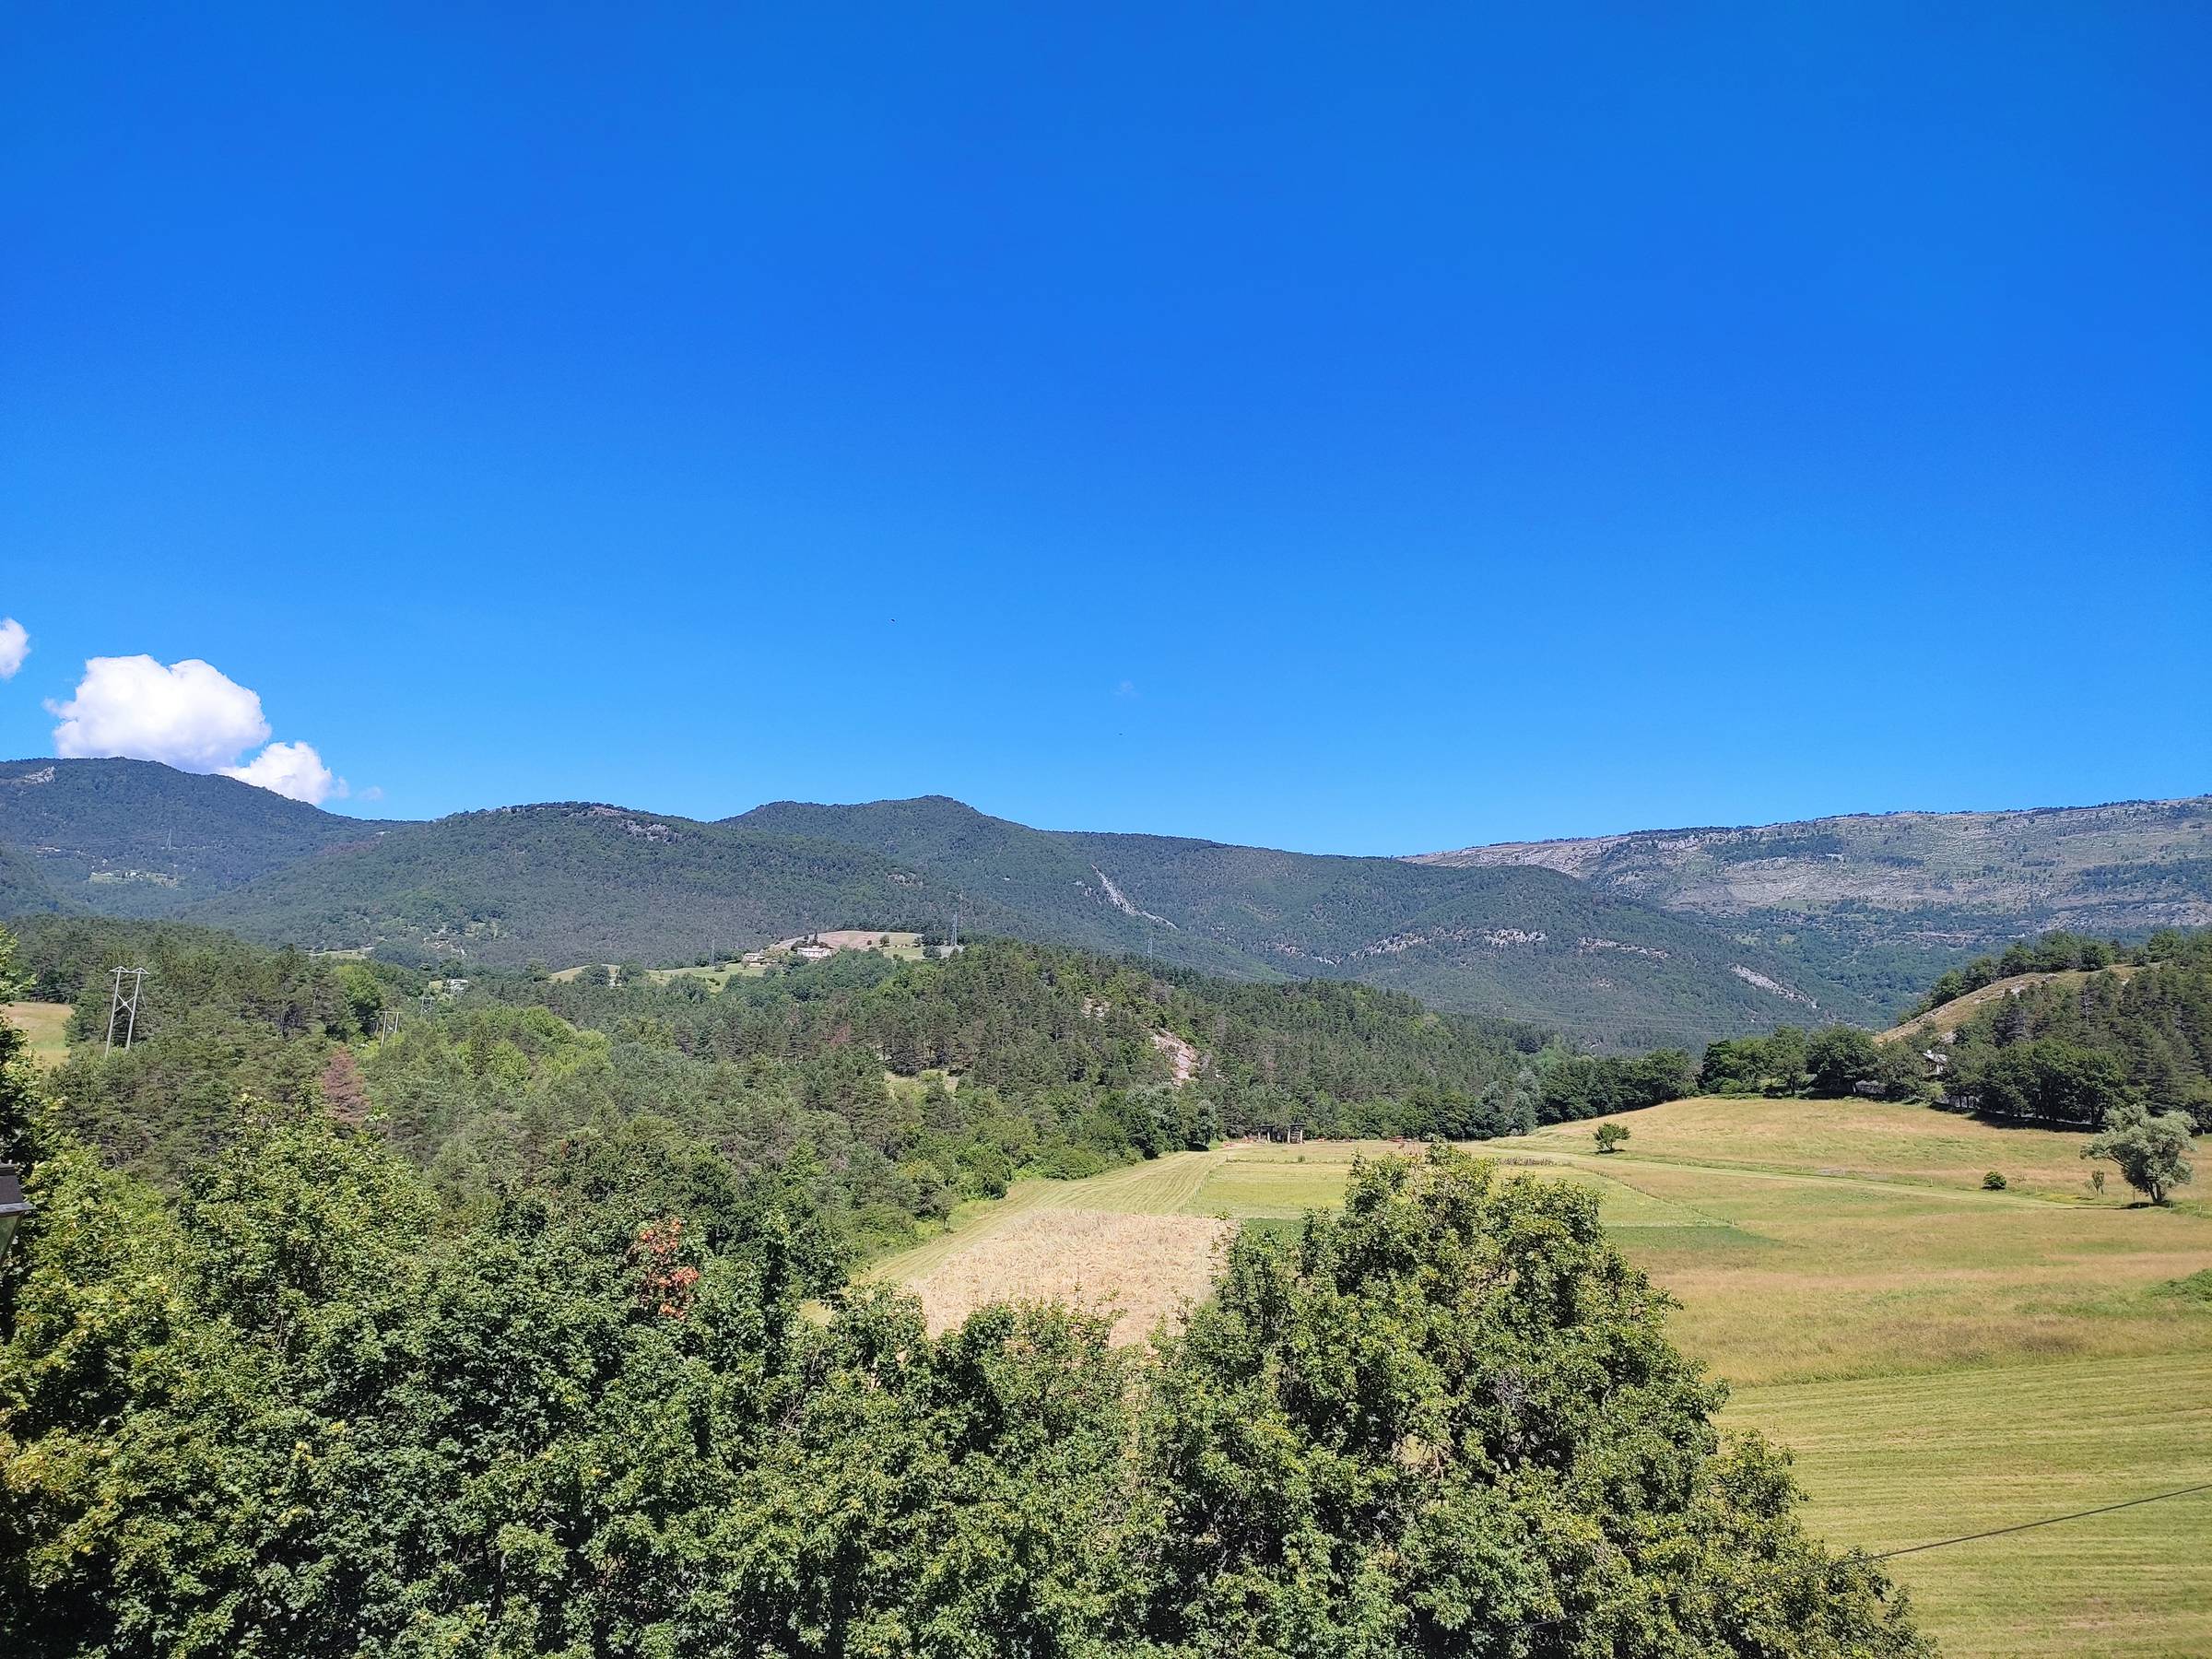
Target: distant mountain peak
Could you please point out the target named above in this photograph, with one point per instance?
(1651, 937)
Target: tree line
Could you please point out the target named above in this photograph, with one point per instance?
(897, 1088)
(2135, 1030)
(2072, 1053)
(306, 1399)
(2057, 952)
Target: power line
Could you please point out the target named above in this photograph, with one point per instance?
(1998, 1532)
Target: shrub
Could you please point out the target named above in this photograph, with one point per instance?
(1994, 1182)
(1064, 1161)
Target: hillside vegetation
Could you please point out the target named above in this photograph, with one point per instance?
(901, 1087)
(132, 838)
(500, 1334)
(1947, 1016)
(582, 882)
(2075, 1046)
(1884, 903)
(1628, 943)
(1516, 943)
(1943, 1359)
(23, 889)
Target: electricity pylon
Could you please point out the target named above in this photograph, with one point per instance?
(125, 1009)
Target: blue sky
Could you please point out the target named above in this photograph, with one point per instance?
(1335, 429)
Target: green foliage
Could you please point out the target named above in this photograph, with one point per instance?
(1448, 1421)
(2050, 953)
(2048, 1081)
(1840, 1058)
(23, 889)
(2070, 1053)
(302, 1407)
(1995, 1182)
(17, 1090)
(1609, 1136)
(135, 838)
(2152, 1150)
(2191, 1288)
(1834, 1061)
(582, 882)
(1008, 1059)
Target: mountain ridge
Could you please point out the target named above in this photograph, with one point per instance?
(562, 882)
(1880, 900)
(1634, 940)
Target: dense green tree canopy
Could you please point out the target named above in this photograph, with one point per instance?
(906, 1086)
(304, 1407)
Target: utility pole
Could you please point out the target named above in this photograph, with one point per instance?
(955, 924)
(125, 1009)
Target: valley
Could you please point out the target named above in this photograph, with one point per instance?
(850, 1148)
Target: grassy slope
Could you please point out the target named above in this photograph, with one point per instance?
(1917, 1459)
(1960, 1009)
(47, 1026)
(1943, 1359)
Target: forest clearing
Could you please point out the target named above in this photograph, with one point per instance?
(1943, 1360)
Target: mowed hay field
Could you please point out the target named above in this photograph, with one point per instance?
(47, 1026)
(1943, 1360)
(1128, 1243)
(1140, 1268)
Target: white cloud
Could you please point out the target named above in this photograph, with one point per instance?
(14, 645)
(290, 769)
(190, 715)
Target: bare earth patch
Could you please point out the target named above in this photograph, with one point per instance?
(1142, 1268)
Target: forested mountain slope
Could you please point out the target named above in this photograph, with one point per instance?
(1884, 903)
(1631, 943)
(570, 882)
(132, 838)
(23, 890)
(1520, 942)
(575, 881)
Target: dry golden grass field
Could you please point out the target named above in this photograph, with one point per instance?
(47, 1026)
(1141, 1268)
(1943, 1360)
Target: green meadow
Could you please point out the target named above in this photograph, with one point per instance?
(47, 1026)
(1943, 1360)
